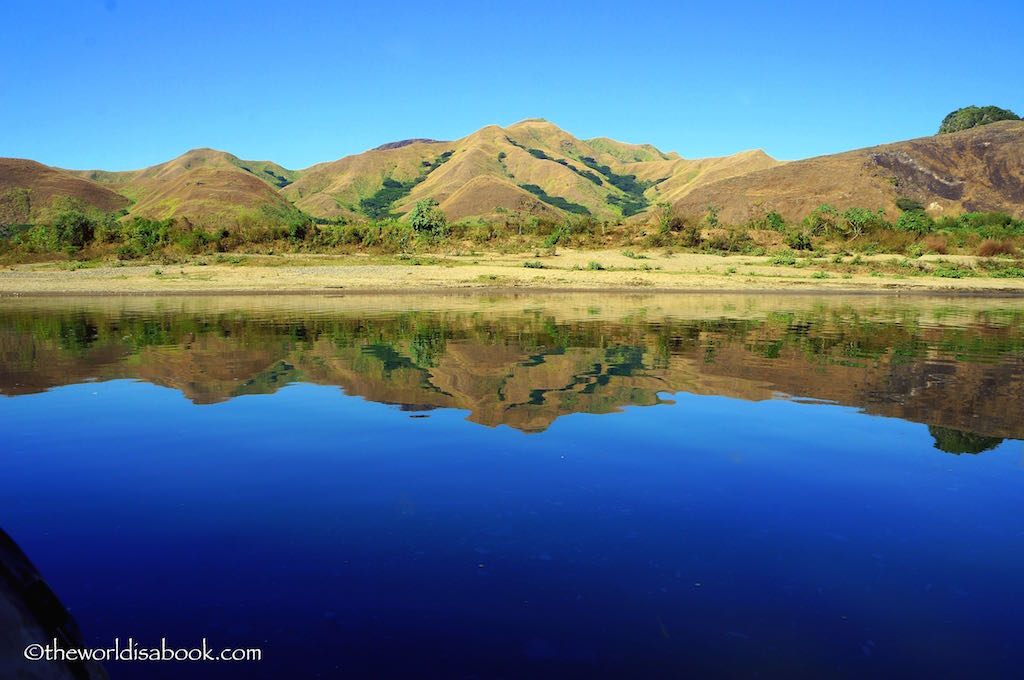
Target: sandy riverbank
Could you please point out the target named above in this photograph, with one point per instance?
(568, 270)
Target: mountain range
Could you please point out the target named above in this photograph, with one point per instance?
(534, 168)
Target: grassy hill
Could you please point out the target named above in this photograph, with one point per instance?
(202, 185)
(981, 169)
(27, 190)
(532, 167)
(535, 169)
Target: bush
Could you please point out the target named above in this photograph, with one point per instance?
(907, 204)
(799, 240)
(935, 244)
(953, 273)
(193, 241)
(774, 221)
(42, 238)
(143, 237)
(991, 247)
(73, 229)
(858, 221)
(732, 240)
(556, 236)
(915, 221)
(109, 230)
(690, 234)
(427, 218)
(972, 116)
(823, 220)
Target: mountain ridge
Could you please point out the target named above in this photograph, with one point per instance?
(534, 168)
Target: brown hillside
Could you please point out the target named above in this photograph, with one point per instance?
(43, 184)
(563, 173)
(533, 167)
(480, 196)
(334, 189)
(202, 185)
(975, 170)
(529, 167)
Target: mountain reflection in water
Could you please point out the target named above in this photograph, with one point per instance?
(524, 361)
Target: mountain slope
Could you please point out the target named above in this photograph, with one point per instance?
(27, 187)
(531, 167)
(534, 168)
(202, 185)
(975, 170)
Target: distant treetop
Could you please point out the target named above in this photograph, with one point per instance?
(972, 116)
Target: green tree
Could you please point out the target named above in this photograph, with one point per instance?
(858, 221)
(823, 220)
(74, 228)
(427, 218)
(664, 217)
(972, 116)
(916, 221)
(711, 217)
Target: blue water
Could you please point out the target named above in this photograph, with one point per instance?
(704, 535)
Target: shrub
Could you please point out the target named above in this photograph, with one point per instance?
(991, 247)
(711, 217)
(595, 266)
(774, 221)
(915, 221)
(952, 272)
(41, 238)
(935, 244)
(798, 240)
(556, 236)
(689, 233)
(783, 259)
(193, 241)
(109, 230)
(730, 240)
(533, 264)
(971, 116)
(74, 229)
(143, 237)
(858, 221)
(823, 220)
(908, 204)
(427, 218)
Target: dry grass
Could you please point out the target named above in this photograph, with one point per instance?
(935, 244)
(991, 247)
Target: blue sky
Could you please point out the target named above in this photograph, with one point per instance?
(120, 84)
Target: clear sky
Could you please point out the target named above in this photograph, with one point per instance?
(119, 84)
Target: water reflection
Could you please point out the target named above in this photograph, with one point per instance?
(524, 362)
